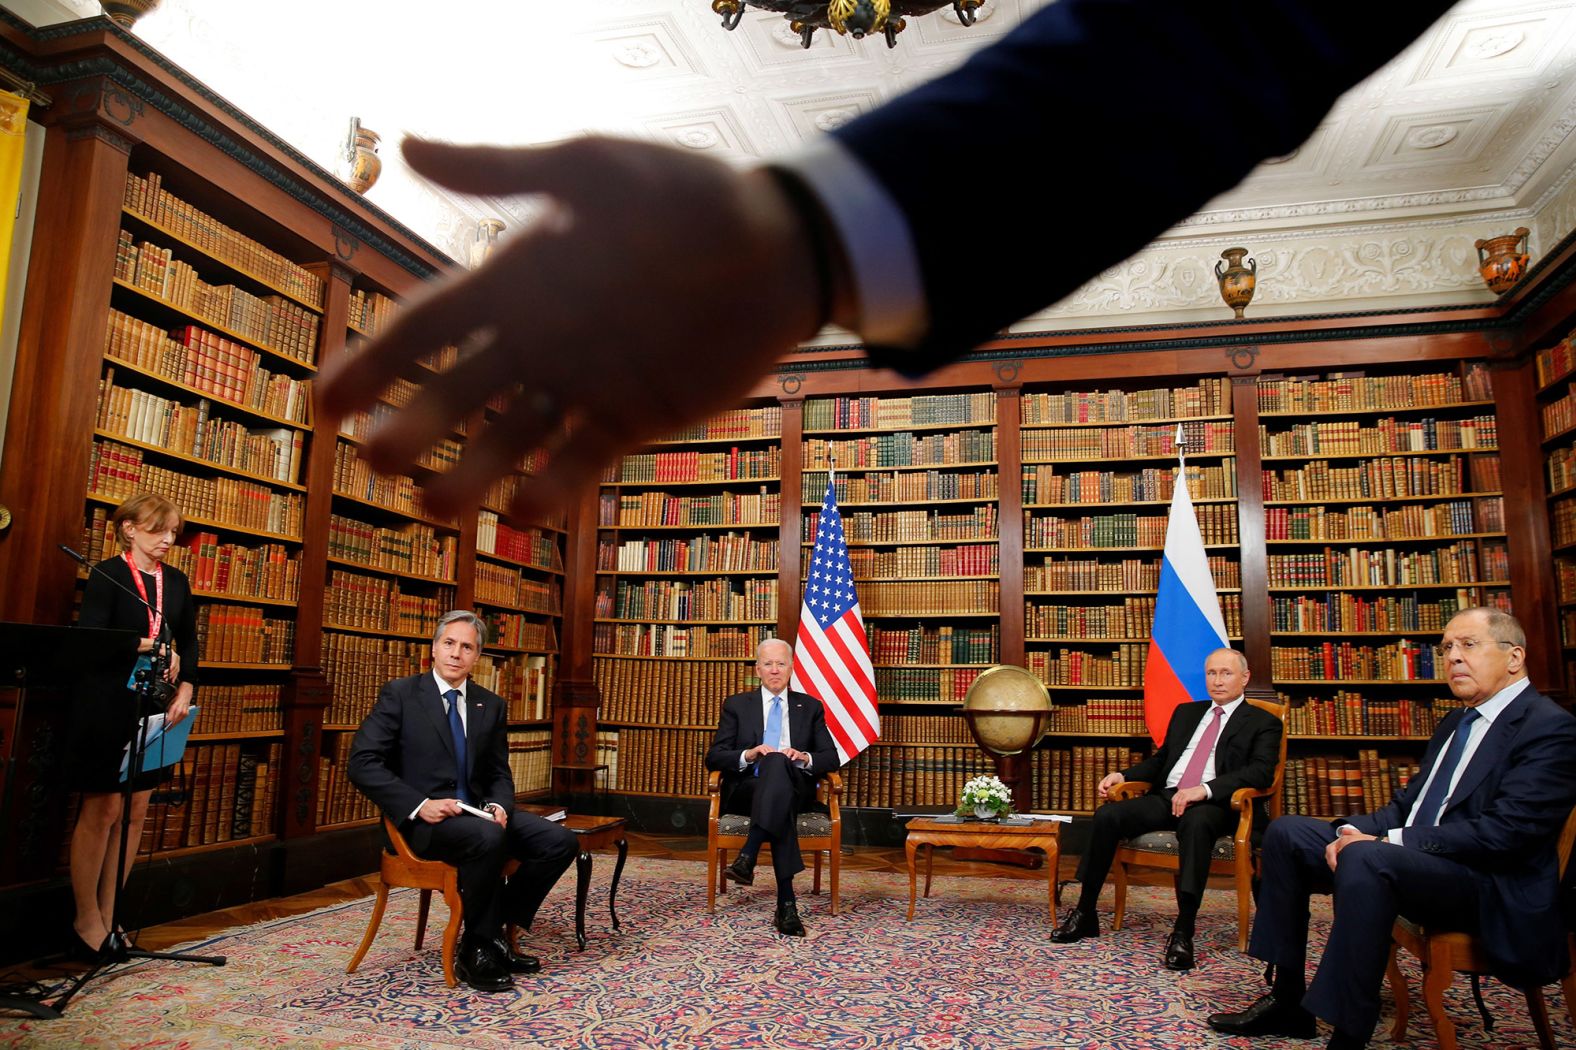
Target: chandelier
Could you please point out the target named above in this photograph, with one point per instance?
(857, 17)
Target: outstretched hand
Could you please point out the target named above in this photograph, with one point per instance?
(656, 289)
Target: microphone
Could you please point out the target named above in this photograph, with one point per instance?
(98, 567)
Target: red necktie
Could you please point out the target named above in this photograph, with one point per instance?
(1193, 775)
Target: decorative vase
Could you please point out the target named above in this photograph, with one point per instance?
(486, 241)
(125, 13)
(1236, 280)
(983, 812)
(362, 151)
(1503, 260)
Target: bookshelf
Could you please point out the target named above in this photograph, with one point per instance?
(1384, 516)
(686, 586)
(1555, 375)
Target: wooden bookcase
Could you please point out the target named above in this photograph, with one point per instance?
(1555, 368)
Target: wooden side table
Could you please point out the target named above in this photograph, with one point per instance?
(930, 833)
(595, 833)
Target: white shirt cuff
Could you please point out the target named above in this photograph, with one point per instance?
(888, 291)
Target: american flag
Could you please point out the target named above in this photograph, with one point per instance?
(832, 660)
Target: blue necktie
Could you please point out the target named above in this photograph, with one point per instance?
(457, 729)
(1427, 813)
(774, 727)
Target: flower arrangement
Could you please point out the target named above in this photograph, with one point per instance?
(986, 797)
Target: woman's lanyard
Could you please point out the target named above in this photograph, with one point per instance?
(156, 607)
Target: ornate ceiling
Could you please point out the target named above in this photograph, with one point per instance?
(1466, 135)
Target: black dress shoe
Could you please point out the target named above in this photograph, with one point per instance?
(78, 950)
(787, 920)
(1179, 951)
(1076, 924)
(474, 964)
(742, 870)
(511, 960)
(1339, 1040)
(1267, 1016)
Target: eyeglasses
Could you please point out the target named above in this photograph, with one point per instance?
(1466, 645)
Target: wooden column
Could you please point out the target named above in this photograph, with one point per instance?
(1253, 554)
(575, 693)
(789, 554)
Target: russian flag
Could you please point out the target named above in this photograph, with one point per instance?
(1188, 624)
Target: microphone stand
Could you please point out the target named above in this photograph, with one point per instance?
(134, 762)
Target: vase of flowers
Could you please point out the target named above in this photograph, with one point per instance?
(987, 798)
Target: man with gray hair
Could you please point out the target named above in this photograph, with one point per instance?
(434, 755)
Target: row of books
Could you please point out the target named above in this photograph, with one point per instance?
(1409, 521)
(1560, 416)
(1207, 397)
(1568, 627)
(1103, 715)
(1565, 579)
(637, 509)
(523, 680)
(509, 630)
(1066, 779)
(506, 585)
(729, 552)
(1403, 661)
(1463, 562)
(370, 311)
(1562, 469)
(763, 422)
(899, 776)
(1356, 612)
(273, 321)
(607, 755)
(902, 449)
(377, 603)
(213, 568)
(441, 456)
(116, 471)
(870, 413)
(1130, 620)
(1350, 437)
(924, 685)
(1129, 574)
(904, 563)
(338, 800)
(934, 645)
(1556, 362)
(414, 548)
(1122, 669)
(188, 430)
(677, 640)
(231, 794)
(719, 599)
(357, 667)
(530, 546)
(736, 464)
(1217, 522)
(1352, 714)
(208, 363)
(663, 761)
(531, 761)
(1355, 392)
(669, 692)
(1115, 443)
(147, 196)
(1562, 517)
(1388, 477)
(241, 634)
(353, 477)
(1042, 484)
(949, 728)
(978, 523)
(255, 707)
(900, 486)
(1339, 787)
(930, 598)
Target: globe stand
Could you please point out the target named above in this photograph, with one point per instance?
(1008, 710)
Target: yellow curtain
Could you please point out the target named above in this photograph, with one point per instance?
(13, 134)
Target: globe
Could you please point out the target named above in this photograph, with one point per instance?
(1007, 709)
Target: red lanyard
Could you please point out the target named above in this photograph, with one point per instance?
(156, 613)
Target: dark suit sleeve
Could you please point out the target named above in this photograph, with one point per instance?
(1263, 753)
(725, 748)
(374, 756)
(1058, 95)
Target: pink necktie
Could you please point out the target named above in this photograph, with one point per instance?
(1193, 775)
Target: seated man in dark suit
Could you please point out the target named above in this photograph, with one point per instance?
(770, 759)
(432, 753)
(1210, 750)
(1468, 844)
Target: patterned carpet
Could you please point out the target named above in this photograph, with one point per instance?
(974, 969)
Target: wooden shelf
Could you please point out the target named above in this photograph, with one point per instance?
(915, 543)
(750, 659)
(971, 501)
(377, 632)
(240, 271)
(1310, 456)
(274, 353)
(217, 400)
(906, 666)
(1361, 681)
(517, 651)
(245, 599)
(1358, 541)
(1378, 500)
(402, 574)
(1119, 550)
(1117, 595)
(1030, 460)
(359, 822)
(224, 665)
(1356, 634)
(1086, 505)
(1304, 587)
(916, 428)
(492, 604)
(1342, 413)
(239, 734)
(667, 443)
(687, 623)
(1157, 422)
(712, 527)
(709, 481)
(502, 560)
(686, 572)
(1363, 738)
(205, 463)
(899, 468)
(398, 512)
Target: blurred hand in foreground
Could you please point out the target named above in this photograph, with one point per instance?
(655, 291)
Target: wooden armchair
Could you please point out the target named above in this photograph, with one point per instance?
(1444, 953)
(401, 867)
(818, 833)
(1233, 855)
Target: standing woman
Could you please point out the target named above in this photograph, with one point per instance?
(107, 709)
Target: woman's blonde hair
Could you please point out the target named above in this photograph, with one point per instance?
(147, 509)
